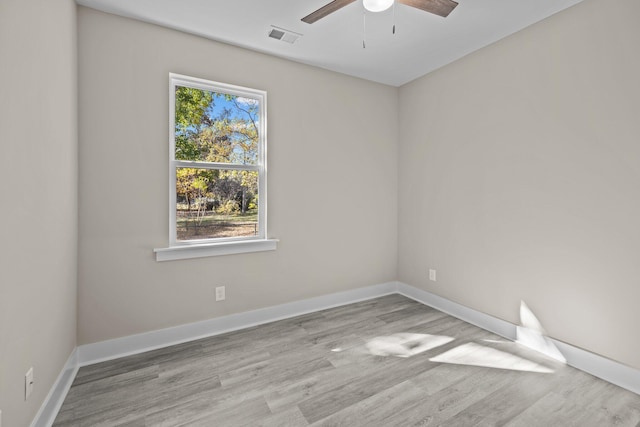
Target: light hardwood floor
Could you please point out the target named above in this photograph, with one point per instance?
(385, 362)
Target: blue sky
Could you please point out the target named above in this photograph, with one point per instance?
(220, 103)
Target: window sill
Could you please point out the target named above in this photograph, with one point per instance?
(214, 249)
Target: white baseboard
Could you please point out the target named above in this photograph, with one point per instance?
(469, 315)
(49, 409)
(599, 366)
(594, 364)
(139, 343)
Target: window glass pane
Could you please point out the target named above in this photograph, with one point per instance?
(216, 127)
(215, 203)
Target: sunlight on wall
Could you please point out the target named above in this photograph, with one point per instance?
(478, 355)
(405, 344)
(531, 334)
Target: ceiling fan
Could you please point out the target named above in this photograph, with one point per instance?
(437, 7)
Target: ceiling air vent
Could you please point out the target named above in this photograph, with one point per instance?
(283, 35)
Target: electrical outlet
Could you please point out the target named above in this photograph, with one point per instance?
(432, 275)
(220, 293)
(28, 383)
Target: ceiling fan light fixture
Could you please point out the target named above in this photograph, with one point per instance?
(377, 5)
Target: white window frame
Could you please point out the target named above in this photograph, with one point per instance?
(181, 249)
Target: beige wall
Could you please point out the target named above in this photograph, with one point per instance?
(38, 184)
(519, 178)
(332, 181)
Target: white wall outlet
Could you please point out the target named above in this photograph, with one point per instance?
(28, 383)
(432, 275)
(220, 293)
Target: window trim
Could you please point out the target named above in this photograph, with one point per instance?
(215, 249)
(216, 246)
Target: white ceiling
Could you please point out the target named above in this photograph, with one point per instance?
(423, 42)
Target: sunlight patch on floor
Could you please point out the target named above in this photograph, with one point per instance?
(478, 355)
(405, 344)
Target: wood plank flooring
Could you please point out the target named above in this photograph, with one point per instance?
(385, 362)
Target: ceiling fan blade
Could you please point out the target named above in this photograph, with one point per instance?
(437, 7)
(326, 10)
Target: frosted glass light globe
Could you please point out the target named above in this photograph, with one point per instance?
(377, 5)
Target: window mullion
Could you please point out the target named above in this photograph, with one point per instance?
(212, 165)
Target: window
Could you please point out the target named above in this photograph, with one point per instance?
(217, 167)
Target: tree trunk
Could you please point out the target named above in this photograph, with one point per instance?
(244, 201)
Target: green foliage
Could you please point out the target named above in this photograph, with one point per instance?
(186, 149)
(191, 105)
(191, 108)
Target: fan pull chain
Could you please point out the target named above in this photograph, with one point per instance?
(394, 18)
(364, 29)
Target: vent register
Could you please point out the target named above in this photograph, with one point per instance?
(283, 35)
